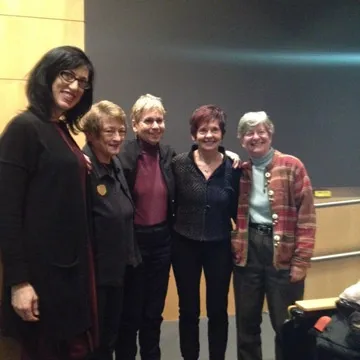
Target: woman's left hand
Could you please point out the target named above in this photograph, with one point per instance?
(234, 157)
(297, 273)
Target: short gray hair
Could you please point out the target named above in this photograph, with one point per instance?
(146, 103)
(251, 119)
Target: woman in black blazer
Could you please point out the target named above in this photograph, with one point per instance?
(48, 288)
(147, 169)
(113, 217)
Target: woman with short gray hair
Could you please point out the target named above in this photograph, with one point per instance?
(275, 235)
(251, 120)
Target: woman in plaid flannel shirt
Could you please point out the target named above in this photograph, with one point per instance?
(275, 235)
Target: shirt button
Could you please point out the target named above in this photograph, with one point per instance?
(271, 192)
(275, 216)
(267, 175)
(277, 238)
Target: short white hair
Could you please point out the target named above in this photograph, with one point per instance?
(146, 103)
(251, 119)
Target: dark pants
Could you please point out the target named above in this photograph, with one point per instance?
(110, 299)
(37, 347)
(189, 258)
(251, 284)
(144, 296)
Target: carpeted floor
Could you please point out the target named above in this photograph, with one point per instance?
(170, 340)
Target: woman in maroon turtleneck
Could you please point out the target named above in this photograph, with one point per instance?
(147, 168)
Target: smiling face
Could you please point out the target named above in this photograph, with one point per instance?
(108, 143)
(150, 127)
(209, 135)
(257, 141)
(68, 89)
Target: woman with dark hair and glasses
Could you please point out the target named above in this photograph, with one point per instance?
(48, 286)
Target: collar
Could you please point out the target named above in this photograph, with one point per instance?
(148, 148)
(264, 160)
(137, 147)
(98, 167)
(247, 165)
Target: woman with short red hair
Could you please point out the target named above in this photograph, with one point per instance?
(206, 199)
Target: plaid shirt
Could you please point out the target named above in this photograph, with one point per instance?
(292, 210)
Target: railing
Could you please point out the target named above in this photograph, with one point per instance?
(337, 203)
(340, 255)
(335, 256)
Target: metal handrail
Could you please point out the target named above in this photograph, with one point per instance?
(340, 255)
(338, 203)
(335, 256)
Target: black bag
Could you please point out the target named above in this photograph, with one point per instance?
(298, 343)
(340, 340)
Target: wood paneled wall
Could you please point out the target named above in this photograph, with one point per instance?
(27, 30)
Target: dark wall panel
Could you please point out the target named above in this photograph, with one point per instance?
(298, 62)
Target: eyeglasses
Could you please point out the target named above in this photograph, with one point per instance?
(69, 77)
(110, 133)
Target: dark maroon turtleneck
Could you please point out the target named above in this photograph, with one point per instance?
(150, 192)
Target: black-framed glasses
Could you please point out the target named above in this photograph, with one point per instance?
(69, 77)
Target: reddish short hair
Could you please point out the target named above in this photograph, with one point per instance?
(206, 113)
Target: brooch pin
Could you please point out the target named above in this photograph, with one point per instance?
(101, 189)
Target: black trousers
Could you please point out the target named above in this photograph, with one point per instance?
(144, 296)
(189, 258)
(110, 299)
(257, 279)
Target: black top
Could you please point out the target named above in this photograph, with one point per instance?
(129, 155)
(113, 218)
(204, 207)
(44, 229)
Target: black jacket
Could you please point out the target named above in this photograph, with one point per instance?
(44, 232)
(129, 155)
(204, 207)
(113, 215)
(341, 337)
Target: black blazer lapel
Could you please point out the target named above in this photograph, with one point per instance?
(121, 177)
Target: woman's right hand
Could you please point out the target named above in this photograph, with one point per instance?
(25, 301)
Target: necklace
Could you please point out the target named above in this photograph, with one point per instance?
(207, 167)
